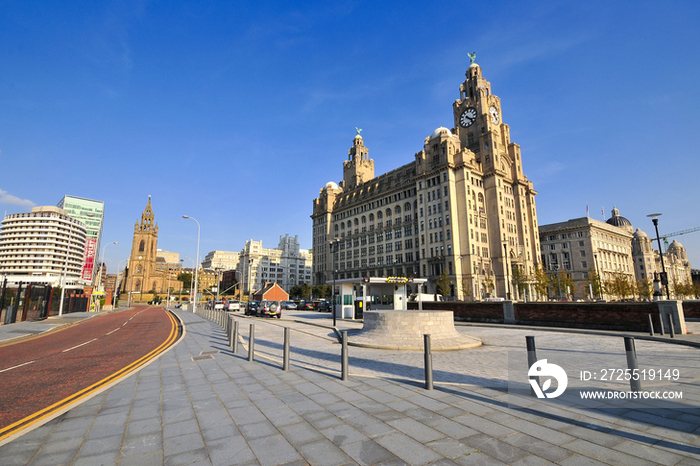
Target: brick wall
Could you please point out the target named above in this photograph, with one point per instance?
(605, 316)
(470, 312)
(691, 309)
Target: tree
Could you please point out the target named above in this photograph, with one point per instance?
(594, 282)
(305, 291)
(645, 288)
(467, 285)
(618, 285)
(443, 284)
(541, 280)
(567, 283)
(295, 291)
(186, 279)
(520, 280)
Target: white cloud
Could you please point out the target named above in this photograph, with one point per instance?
(6, 198)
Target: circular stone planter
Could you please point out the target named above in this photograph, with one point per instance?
(404, 330)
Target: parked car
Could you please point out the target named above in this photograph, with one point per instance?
(270, 308)
(323, 306)
(252, 308)
(233, 305)
(288, 305)
(306, 305)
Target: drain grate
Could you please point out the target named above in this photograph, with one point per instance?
(199, 358)
(209, 352)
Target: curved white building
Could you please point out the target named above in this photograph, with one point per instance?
(39, 246)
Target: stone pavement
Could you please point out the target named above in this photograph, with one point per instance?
(200, 404)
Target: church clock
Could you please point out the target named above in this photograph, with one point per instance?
(494, 115)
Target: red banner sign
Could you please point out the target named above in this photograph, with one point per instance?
(89, 264)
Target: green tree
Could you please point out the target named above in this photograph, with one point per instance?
(467, 285)
(186, 279)
(295, 291)
(645, 288)
(305, 291)
(541, 281)
(594, 282)
(443, 284)
(567, 283)
(520, 280)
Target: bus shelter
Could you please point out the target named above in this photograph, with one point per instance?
(374, 293)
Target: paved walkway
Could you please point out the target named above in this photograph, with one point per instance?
(201, 404)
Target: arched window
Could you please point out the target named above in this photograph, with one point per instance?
(139, 269)
(388, 213)
(357, 222)
(137, 287)
(380, 215)
(154, 286)
(397, 211)
(371, 217)
(407, 207)
(142, 246)
(335, 227)
(342, 225)
(364, 219)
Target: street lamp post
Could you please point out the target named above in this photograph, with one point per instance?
(196, 268)
(65, 271)
(505, 268)
(334, 249)
(664, 277)
(191, 288)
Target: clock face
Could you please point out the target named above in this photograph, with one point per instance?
(468, 117)
(494, 115)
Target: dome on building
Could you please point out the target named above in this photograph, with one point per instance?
(675, 245)
(332, 184)
(620, 222)
(440, 132)
(640, 234)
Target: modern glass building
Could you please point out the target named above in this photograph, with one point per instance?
(91, 213)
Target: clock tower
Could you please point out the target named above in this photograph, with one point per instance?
(143, 276)
(509, 196)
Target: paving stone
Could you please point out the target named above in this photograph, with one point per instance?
(258, 430)
(367, 452)
(478, 459)
(496, 448)
(605, 455)
(273, 450)
(140, 444)
(183, 443)
(343, 433)
(450, 448)
(323, 452)
(537, 447)
(407, 449)
(106, 458)
(229, 450)
(416, 430)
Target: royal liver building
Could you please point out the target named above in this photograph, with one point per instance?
(463, 207)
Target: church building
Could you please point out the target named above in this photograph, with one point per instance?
(462, 207)
(147, 272)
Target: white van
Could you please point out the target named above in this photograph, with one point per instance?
(425, 297)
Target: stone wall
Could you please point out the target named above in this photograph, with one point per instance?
(466, 311)
(691, 309)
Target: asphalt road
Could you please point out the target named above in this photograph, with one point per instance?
(42, 374)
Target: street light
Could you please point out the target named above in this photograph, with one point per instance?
(334, 250)
(505, 269)
(664, 277)
(102, 264)
(196, 268)
(114, 295)
(191, 297)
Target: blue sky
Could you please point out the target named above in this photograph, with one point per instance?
(237, 113)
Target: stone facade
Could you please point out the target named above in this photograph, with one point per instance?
(146, 271)
(608, 248)
(225, 260)
(463, 207)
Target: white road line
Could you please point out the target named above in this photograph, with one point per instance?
(112, 331)
(79, 345)
(15, 367)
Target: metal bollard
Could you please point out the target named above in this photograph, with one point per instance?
(285, 363)
(531, 359)
(229, 320)
(651, 326)
(251, 342)
(631, 350)
(344, 357)
(661, 324)
(428, 362)
(671, 330)
(234, 338)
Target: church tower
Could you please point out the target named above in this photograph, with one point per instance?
(142, 262)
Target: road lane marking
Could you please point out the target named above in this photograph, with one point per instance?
(112, 331)
(14, 430)
(15, 367)
(78, 346)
